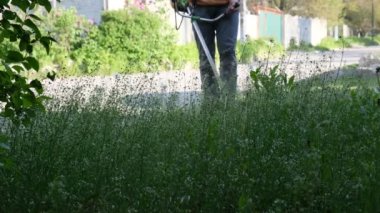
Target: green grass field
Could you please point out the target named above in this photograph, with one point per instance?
(314, 148)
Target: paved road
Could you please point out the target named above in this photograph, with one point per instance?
(349, 56)
(304, 64)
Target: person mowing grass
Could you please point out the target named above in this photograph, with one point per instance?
(225, 32)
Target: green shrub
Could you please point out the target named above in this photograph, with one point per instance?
(127, 41)
(70, 30)
(363, 41)
(259, 49)
(330, 43)
(303, 46)
(185, 54)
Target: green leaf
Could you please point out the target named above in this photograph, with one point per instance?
(13, 37)
(14, 57)
(5, 24)
(27, 65)
(33, 5)
(4, 2)
(28, 100)
(23, 45)
(29, 49)
(35, 17)
(46, 4)
(22, 4)
(16, 100)
(9, 15)
(4, 77)
(45, 41)
(43, 98)
(30, 24)
(18, 68)
(33, 63)
(36, 84)
(9, 113)
(51, 75)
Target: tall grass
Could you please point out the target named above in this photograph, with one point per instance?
(310, 149)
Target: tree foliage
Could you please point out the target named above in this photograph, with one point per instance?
(358, 15)
(19, 25)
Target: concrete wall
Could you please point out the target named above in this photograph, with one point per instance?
(92, 9)
(115, 4)
(301, 29)
(291, 30)
(251, 26)
(318, 30)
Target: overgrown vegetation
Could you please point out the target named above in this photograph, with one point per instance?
(259, 49)
(310, 146)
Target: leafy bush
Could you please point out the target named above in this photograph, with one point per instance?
(127, 41)
(185, 54)
(330, 43)
(259, 49)
(272, 81)
(363, 41)
(70, 30)
(303, 46)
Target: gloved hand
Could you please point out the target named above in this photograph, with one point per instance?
(233, 6)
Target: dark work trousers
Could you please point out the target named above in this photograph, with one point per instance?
(225, 32)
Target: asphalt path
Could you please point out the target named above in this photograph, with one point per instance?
(348, 55)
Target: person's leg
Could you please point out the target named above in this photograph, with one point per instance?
(226, 33)
(209, 82)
